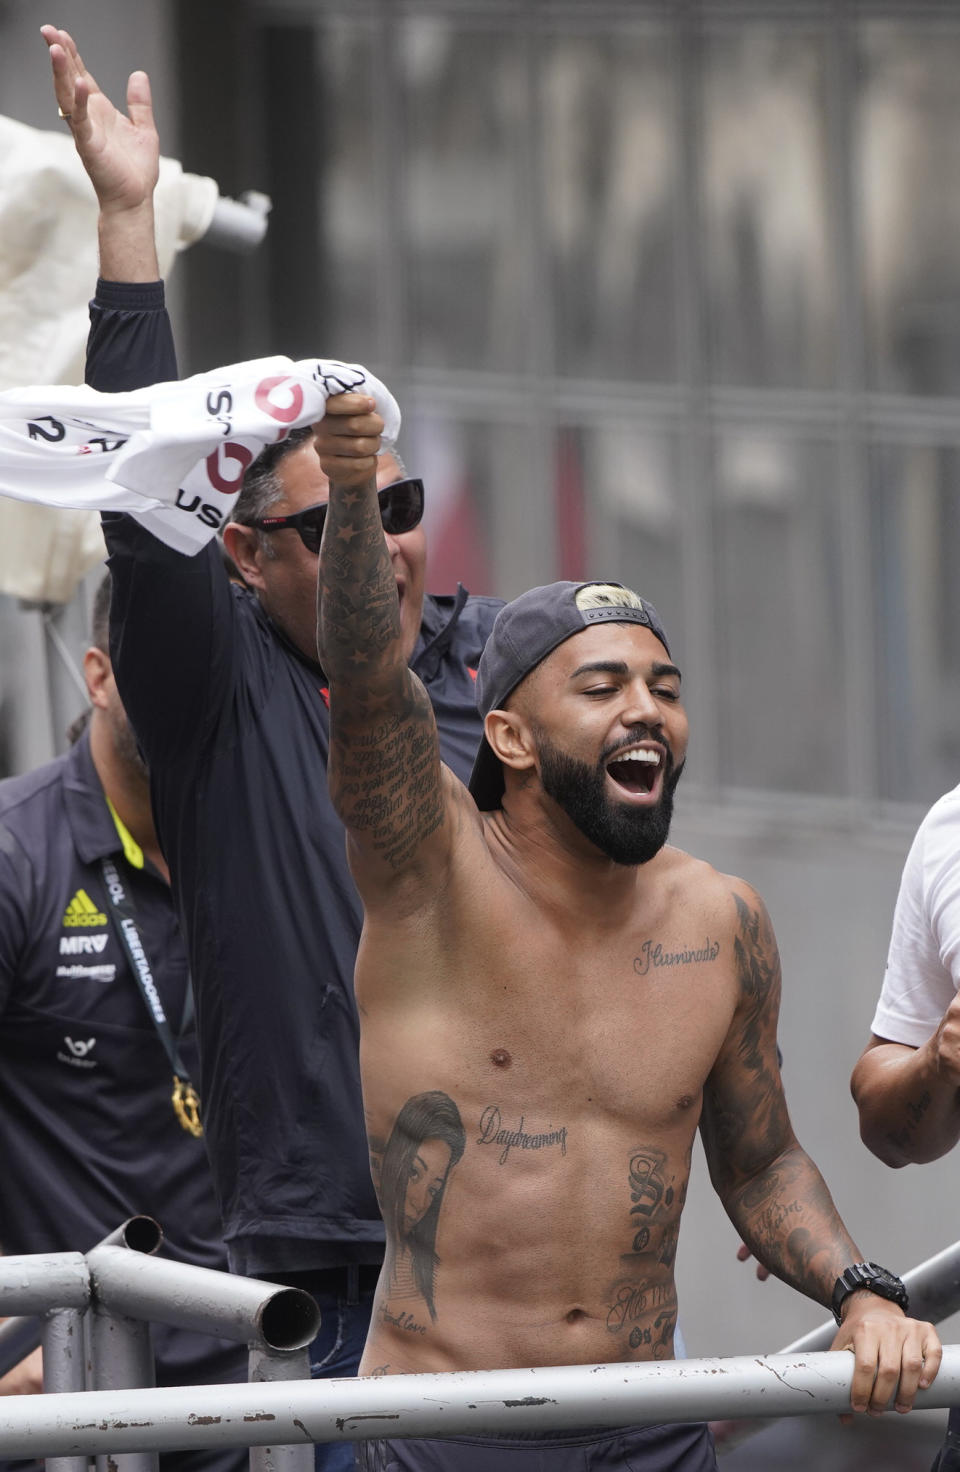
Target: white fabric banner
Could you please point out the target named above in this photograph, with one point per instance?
(172, 454)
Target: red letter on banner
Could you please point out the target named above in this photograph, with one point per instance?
(229, 452)
(263, 401)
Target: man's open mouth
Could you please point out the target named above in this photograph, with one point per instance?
(637, 769)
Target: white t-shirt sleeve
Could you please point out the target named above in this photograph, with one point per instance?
(923, 962)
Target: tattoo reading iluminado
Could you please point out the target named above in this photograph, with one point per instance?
(653, 955)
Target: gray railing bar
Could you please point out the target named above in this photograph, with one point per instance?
(64, 1368)
(264, 1365)
(36, 1282)
(211, 1302)
(19, 1336)
(137, 1234)
(450, 1404)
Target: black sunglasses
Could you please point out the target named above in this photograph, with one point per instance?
(401, 509)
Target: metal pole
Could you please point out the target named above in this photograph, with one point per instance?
(211, 1302)
(20, 1336)
(268, 1366)
(64, 1369)
(121, 1359)
(137, 1234)
(121, 1348)
(36, 1282)
(478, 1402)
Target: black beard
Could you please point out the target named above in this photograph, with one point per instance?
(625, 834)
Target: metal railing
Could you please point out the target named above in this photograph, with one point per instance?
(102, 1402)
(91, 1313)
(934, 1289)
(480, 1402)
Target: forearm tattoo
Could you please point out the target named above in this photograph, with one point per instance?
(384, 768)
(771, 1188)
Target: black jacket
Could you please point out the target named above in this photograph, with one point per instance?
(233, 723)
(88, 1136)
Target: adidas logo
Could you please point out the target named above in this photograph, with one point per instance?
(82, 911)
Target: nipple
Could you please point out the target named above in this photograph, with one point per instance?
(500, 1058)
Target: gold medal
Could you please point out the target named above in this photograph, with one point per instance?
(186, 1106)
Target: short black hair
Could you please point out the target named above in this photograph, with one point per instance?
(260, 484)
(100, 615)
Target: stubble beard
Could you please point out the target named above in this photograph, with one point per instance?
(625, 834)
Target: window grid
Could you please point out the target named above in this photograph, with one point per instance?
(846, 416)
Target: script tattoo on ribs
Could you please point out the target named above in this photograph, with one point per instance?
(645, 1306)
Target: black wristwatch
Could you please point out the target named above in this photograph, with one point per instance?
(872, 1276)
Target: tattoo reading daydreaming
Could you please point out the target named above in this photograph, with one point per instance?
(652, 956)
(493, 1133)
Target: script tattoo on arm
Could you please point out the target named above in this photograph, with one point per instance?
(384, 769)
(770, 1187)
(425, 1144)
(915, 1110)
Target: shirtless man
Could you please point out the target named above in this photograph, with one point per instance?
(552, 1001)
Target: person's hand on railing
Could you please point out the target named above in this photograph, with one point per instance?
(25, 1378)
(892, 1353)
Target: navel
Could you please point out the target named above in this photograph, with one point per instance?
(500, 1058)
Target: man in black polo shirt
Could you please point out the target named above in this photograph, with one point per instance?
(88, 1132)
(229, 705)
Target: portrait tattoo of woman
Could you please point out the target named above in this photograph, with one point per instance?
(425, 1144)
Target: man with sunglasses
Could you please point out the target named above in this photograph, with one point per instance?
(229, 703)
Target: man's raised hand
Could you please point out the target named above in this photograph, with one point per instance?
(120, 152)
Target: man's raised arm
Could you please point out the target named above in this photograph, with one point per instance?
(385, 774)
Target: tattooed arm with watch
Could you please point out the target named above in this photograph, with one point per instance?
(777, 1198)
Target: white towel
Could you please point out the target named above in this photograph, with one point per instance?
(173, 454)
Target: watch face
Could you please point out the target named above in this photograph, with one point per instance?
(872, 1276)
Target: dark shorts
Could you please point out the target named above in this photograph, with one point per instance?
(637, 1449)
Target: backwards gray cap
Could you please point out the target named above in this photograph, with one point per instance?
(524, 633)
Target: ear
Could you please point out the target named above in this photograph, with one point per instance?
(510, 739)
(98, 673)
(243, 545)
